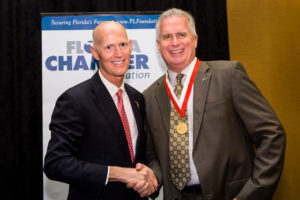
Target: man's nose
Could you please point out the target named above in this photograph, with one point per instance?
(118, 52)
(174, 41)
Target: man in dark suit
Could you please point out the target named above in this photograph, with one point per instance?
(97, 132)
(210, 132)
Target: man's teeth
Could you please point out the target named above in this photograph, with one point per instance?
(118, 62)
(177, 51)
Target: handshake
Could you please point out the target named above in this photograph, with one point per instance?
(141, 178)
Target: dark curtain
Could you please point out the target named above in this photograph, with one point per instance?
(21, 158)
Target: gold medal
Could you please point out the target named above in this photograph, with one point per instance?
(182, 128)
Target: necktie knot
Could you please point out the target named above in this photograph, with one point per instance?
(178, 86)
(179, 78)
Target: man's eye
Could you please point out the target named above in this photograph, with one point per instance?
(123, 44)
(182, 34)
(166, 36)
(108, 47)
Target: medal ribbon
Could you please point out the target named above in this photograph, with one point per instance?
(188, 92)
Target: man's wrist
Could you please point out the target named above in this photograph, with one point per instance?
(119, 174)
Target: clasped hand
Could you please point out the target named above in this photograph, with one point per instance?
(143, 180)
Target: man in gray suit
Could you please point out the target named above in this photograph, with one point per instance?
(210, 132)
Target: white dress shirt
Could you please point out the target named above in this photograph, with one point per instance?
(189, 109)
(112, 89)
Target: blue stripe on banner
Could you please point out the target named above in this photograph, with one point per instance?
(89, 22)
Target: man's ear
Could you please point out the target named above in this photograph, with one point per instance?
(94, 53)
(158, 44)
(196, 40)
(130, 44)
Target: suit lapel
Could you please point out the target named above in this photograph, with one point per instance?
(201, 84)
(163, 101)
(135, 104)
(108, 109)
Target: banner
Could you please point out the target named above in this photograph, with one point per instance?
(67, 60)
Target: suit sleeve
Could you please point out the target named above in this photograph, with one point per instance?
(265, 131)
(152, 161)
(151, 155)
(61, 160)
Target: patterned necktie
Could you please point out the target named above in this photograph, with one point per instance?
(179, 143)
(125, 123)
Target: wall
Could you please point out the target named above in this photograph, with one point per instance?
(265, 36)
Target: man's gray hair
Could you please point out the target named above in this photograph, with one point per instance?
(176, 12)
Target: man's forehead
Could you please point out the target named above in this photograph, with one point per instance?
(174, 32)
(113, 37)
(108, 40)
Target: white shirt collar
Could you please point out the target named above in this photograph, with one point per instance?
(187, 72)
(112, 89)
(186, 79)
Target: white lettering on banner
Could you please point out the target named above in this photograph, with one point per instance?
(97, 21)
(63, 22)
(139, 21)
(76, 21)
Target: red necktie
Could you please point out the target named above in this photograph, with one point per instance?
(125, 123)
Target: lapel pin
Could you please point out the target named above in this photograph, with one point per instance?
(204, 79)
(137, 104)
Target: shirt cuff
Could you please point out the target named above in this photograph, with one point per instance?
(108, 168)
